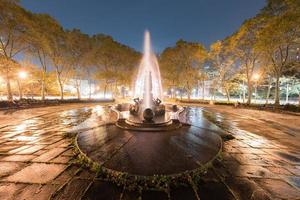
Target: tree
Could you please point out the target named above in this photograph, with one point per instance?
(40, 45)
(242, 44)
(183, 62)
(224, 64)
(115, 63)
(284, 17)
(14, 23)
(78, 46)
(59, 54)
(170, 70)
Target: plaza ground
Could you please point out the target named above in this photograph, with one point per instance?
(37, 159)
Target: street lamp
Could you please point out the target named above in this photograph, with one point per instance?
(22, 75)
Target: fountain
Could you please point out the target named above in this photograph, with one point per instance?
(148, 140)
(147, 87)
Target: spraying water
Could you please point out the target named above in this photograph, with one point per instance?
(148, 83)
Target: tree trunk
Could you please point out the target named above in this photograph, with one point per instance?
(44, 71)
(78, 93)
(277, 101)
(189, 94)
(8, 87)
(244, 95)
(269, 90)
(227, 94)
(255, 91)
(90, 88)
(198, 89)
(287, 94)
(268, 93)
(61, 88)
(61, 91)
(43, 90)
(60, 84)
(20, 90)
(104, 93)
(203, 90)
(249, 92)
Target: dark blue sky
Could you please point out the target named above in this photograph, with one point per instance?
(202, 21)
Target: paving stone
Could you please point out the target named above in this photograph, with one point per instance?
(37, 173)
(55, 145)
(40, 152)
(245, 189)
(36, 192)
(74, 190)
(9, 148)
(293, 180)
(278, 188)
(20, 148)
(288, 157)
(47, 156)
(61, 159)
(87, 174)
(253, 171)
(131, 195)
(183, 193)
(157, 195)
(102, 190)
(8, 191)
(247, 158)
(66, 175)
(31, 149)
(213, 190)
(279, 170)
(7, 168)
(18, 158)
(69, 152)
(294, 169)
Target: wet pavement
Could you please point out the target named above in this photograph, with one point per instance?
(37, 159)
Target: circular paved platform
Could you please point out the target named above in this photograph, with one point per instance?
(150, 153)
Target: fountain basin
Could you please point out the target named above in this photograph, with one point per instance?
(149, 153)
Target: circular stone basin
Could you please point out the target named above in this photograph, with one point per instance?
(150, 153)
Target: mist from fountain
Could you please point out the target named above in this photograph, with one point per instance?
(148, 83)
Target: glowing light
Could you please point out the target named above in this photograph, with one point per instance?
(256, 77)
(22, 74)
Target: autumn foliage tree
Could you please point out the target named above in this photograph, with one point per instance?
(181, 64)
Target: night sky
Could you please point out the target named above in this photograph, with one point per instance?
(202, 21)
